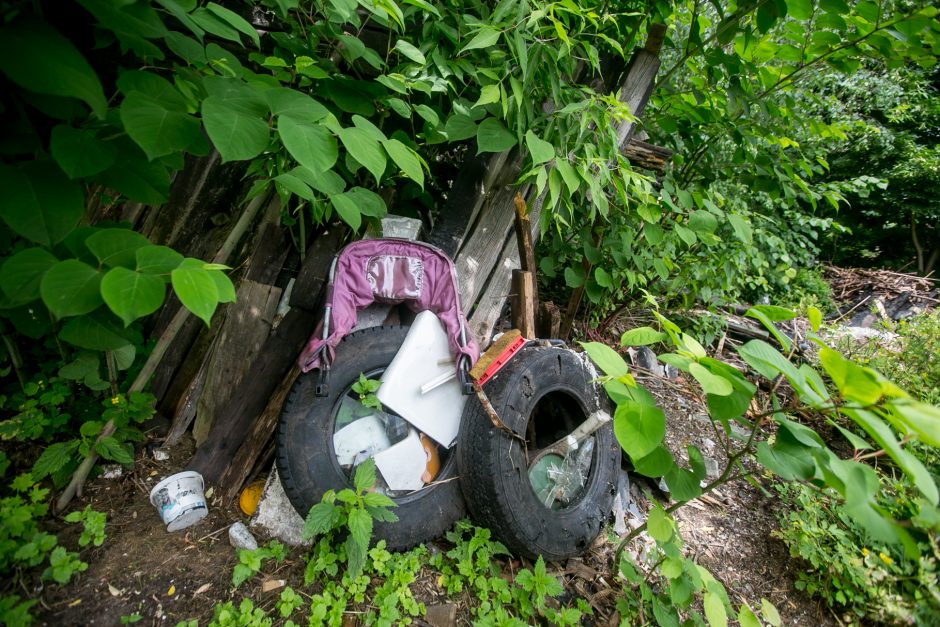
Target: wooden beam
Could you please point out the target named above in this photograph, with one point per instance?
(523, 303)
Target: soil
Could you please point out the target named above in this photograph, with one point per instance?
(170, 577)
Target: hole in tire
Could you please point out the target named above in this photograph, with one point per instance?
(348, 410)
(558, 481)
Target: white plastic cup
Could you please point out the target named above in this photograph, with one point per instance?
(180, 500)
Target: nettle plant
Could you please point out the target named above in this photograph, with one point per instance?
(773, 432)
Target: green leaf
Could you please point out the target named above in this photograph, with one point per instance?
(639, 428)
(109, 448)
(71, 288)
(22, 273)
(541, 150)
(659, 525)
(134, 176)
(156, 127)
(767, 360)
(364, 478)
(132, 295)
(235, 21)
(224, 286)
(35, 56)
(656, 464)
(742, 228)
(770, 613)
(234, 117)
(703, 221)
(312, 145)
(294, 185)
(710, 382)
(410, 51)
(368, 202)
(642, 336)
(800, 9)
(92, 333)
(347, 209)
(322, 518)
(406, 159)
(747, 618)
(854, 382)
(815, 318)
(715, 610)
(365, 149)
(79, 152)
(460, 127)
(299, 106)
(683, 484)
(39, 202)
(157, 259)
(773, 313)
(53, 458)
(485, 38)
(492, 136)
(196, 290)
(116, 247)
(488, 95)
(606, 359)
(328, 182)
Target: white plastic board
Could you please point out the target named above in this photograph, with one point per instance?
(423, 357)
(403, 464)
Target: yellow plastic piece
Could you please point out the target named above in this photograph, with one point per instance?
(248, 501)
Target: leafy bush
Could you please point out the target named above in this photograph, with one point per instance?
(848, 569)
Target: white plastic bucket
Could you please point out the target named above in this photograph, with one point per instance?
(180, 500)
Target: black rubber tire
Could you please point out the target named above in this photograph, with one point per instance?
(307, 463)
(493, 466)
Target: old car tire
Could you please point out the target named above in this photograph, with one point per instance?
(307, 462)
(541, 395)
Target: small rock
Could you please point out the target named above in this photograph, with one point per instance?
(241, 538)
(160, 455)
(646, 359)
(708, 444)
(113, 471)
(711, 467)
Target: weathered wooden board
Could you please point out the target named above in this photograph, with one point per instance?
(242, 337)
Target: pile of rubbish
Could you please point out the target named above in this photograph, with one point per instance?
(869, 295)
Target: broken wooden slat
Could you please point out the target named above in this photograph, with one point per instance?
(242, 336)
(313, 272)
(548, 320)
(645, 155)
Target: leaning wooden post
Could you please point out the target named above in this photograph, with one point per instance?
(635, 93)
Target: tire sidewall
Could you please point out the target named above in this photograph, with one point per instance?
(307, 461)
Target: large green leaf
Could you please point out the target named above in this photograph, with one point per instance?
(369, 203)
(541, 150)
(328, 182)
(460, 127)
(235, 21)
(492, 136)
(347, 209)
(39, 58)
(312, 145)
(116, 247)
(157, 259)
(365, 149)
(656, 464)
(94, 333)
(39, 202)
(606, 358)
(639, 428)
(224, 286)
(196, 289)
(71, 288)
(642, 336)
(157, 126)
(235, 116)
(111, 449)
(406, 159)
(297, 105)
(711, 383)
(79, 152)
(21, 274)
(485, 37)
(288, 183)
(132, 295)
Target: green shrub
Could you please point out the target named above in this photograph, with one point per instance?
(848, 570)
